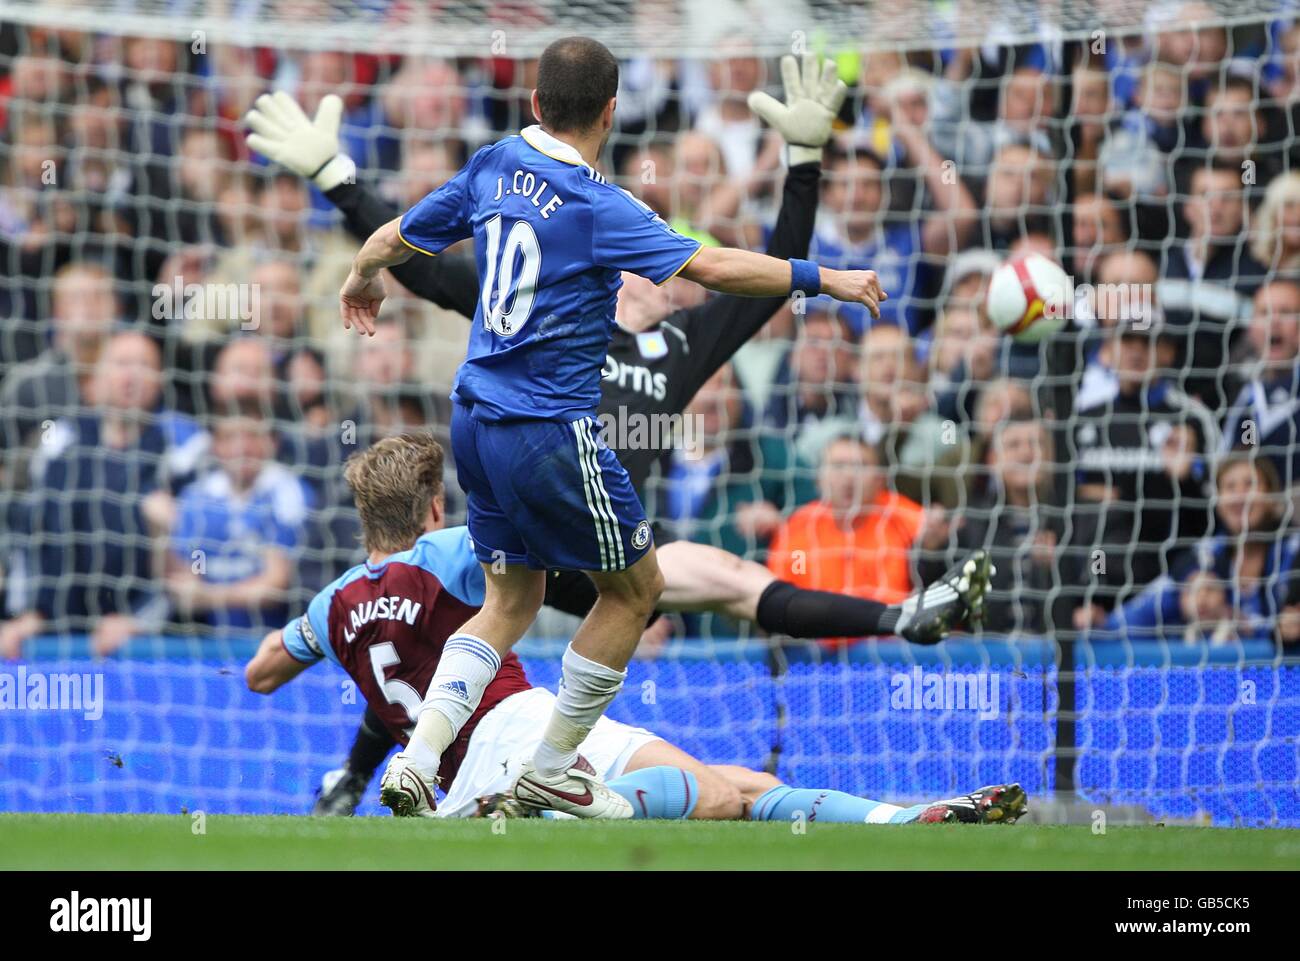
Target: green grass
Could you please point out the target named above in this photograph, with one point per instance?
(81, 841)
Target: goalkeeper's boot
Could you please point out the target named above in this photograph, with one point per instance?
(954, 600)
(578, 791)
(498, 806)
(404, 791)
(996, 804)
(340, 792)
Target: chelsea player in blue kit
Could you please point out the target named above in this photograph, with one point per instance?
(551, 238)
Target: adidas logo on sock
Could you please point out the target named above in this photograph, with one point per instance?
(456, 687)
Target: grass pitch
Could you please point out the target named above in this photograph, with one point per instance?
(169, 842)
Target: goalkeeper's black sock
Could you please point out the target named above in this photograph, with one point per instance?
(784, 608)
(371, 746)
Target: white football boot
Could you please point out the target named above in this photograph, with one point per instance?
(404, 791)
(578, 791)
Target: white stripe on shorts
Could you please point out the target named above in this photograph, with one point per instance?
(603, 499)
(589, 491)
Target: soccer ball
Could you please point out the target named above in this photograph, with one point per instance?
(1029, 297)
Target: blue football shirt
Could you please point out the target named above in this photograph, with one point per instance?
(551, 237)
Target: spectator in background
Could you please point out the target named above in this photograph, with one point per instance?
(894, 414)
(817, 376)
(858, 537)
(89, 564)
(684, 184)
(1040, 242)
(751, 157)
(234, 83)
(53, 386)
(647, 174)
(1001, 400)
(1187, 39)
(34, 78)
(1143, 486)
(963, 358)
(882, 76)
(1284, 84)
(385, 379)
(1134, 160)
(906, 100)
(281, 210)
(98, 169)
(1096, 229)
(424, 100)
(278, 310)
(426, 166)
(1011, 518)
(649, 88)
(943, 200)
(1237, 582)
(1275, 239)
(28, 227)
(1090, 116)
(1208, 281)
(1123, 279)
(299, 370)
(236, 213)
(153, 86)
(966, 281)
(1019, 195)
(305, 398)
(705, 198)
(238, 527)
(1266, 413)
(243, 378)
(185, 190)
(851, 231)
(1025, 105)
(246, 379)
(1232, 132)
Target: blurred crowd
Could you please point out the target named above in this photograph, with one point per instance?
(177, 394)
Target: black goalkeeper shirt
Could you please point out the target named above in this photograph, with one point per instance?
(653, 373)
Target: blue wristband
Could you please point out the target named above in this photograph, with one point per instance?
(805, 276)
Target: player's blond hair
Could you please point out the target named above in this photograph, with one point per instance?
(393, 482)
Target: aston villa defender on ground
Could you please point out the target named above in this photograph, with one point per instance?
(387, 622)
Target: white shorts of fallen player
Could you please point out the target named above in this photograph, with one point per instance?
(509, 734)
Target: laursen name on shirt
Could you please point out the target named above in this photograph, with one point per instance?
(525, 184)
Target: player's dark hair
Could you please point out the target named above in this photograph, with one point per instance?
(576, 78)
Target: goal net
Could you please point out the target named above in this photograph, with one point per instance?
(1132, 476)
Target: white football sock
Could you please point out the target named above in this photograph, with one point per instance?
(465, 669)
(586, 688)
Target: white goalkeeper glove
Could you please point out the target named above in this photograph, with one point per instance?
(310, 148)
(812, 101)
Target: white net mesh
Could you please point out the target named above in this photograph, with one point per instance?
(668, 28)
